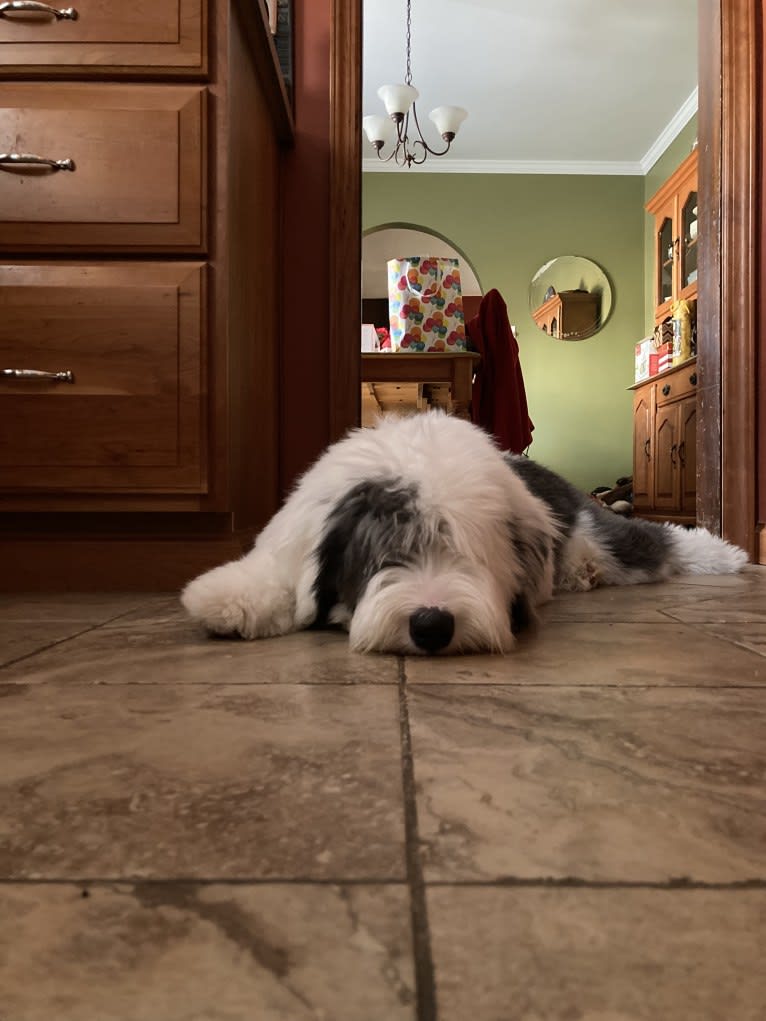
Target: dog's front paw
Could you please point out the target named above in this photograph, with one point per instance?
(230, 600)
(580, 577)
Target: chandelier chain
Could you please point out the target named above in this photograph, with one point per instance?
(408, 76)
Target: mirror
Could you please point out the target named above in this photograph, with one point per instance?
(570, 298)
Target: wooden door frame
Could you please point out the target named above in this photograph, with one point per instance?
(345, 297)
(729, 196)
(728, 276)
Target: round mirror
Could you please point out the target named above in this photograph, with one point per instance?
(570, 298)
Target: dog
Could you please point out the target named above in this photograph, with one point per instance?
(419, 536)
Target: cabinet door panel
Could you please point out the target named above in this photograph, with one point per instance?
(107, 33)
(643, 454)
(131, 335)
(138, 170)
(687, 455)
(666, 482)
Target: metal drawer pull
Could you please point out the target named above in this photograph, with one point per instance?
(666, 390)
(33, 7)
(18, 159)
(67, 376)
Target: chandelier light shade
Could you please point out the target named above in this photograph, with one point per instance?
(399, 101)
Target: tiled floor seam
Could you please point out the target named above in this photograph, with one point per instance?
(679, 885)
(94, 626)
(425, 984)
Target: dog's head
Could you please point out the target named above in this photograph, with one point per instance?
(401, 583)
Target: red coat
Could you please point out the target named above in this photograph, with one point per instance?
(499, 401)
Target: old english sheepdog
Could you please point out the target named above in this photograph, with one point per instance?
(420, 536)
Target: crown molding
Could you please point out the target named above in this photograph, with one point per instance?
(568, 167)
(670, 132)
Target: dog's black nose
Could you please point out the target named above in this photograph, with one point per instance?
(431, 629)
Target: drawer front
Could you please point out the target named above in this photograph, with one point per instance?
(151, 34)
(132, 337)
(137, 181)
(674, 385)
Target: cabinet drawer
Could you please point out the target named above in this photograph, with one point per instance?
(132, 337)
(139, 169)
(106, 34)
(674, 386)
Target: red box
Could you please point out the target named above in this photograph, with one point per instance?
(660, 359)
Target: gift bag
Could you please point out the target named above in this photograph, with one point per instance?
(425, 304)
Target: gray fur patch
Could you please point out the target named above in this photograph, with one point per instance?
(374, 525)
(642, 545)
(636, 544)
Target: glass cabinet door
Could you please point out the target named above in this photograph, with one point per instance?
(689, 240)
(665, 261)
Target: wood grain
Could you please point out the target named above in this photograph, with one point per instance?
(139, 167)
(109, 37)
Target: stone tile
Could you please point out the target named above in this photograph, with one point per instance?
(176, 652)
(179, 781)
(636, 603)
(639, 785)
(750, 636)
(745, 609)
(568, 653)
(24, 638)
(600, 955)
(177, 952)
(82, 607)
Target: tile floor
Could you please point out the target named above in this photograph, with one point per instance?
(208, 830)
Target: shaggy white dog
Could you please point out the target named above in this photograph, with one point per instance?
(420, 536)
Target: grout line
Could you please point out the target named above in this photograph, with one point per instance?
(678, 885)
(425, 985)
(91, 626)
(421, 685)
(201, 881)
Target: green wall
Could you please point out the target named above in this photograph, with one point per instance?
(672, 158)
(508, 226)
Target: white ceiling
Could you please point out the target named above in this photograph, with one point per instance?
(557, 86)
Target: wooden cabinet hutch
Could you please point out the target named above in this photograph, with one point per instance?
(139, 187)
(568, 315)
(674, 208)
(665, 445)
(665, 406)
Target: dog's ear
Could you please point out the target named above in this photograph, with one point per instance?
(369, 525)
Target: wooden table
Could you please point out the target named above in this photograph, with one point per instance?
(431, 367)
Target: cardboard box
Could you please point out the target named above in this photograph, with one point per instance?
(643, 351)
(370, 341)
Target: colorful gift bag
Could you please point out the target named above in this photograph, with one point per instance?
(425, 304)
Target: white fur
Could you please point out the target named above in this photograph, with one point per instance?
(460, 557)
(698, 551)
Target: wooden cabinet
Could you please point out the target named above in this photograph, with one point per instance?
(136, 154)
(674, 208)
(106, 36)
(664, 445)
(108, 375)
(569, 315)
(132, 276)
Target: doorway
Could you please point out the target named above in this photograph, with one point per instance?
(728, 77)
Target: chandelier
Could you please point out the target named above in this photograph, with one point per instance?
(399, 101)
